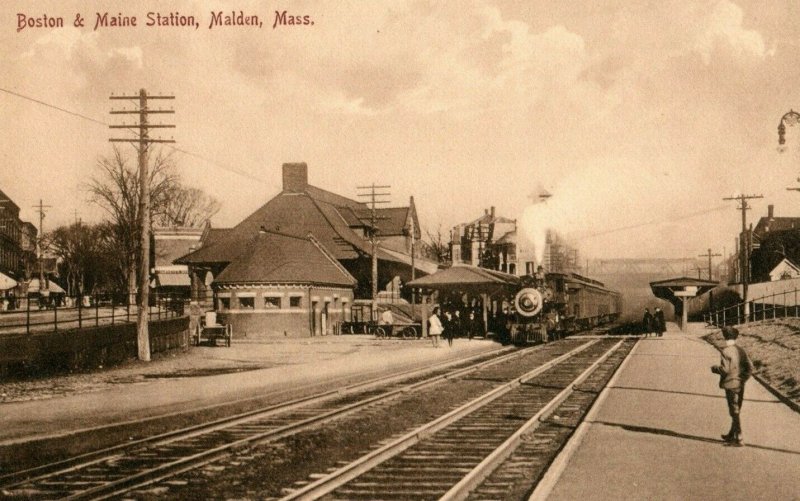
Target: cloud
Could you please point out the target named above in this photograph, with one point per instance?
(723, 28)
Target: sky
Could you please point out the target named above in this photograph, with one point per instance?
(638, 116)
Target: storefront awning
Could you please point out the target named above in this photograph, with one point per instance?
(174, 280)
(6, 282)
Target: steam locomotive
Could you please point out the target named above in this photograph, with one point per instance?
(553, 305)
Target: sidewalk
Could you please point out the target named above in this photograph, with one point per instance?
(657, 434)
(292, 364)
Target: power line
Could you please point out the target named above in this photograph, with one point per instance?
(688, 215)
(106, 124)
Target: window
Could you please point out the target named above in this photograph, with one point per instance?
(512, 268)
(272, 302)
(247, 303)
(294, 301)
(224, 303)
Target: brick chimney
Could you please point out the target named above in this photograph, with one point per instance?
(770, 211)
(295, 177)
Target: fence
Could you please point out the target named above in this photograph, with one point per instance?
(61, 312)
(777, 305)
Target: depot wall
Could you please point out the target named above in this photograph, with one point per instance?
(83, 349)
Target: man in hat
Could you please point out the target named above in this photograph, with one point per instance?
(734, 370)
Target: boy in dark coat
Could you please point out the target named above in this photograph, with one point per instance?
(734, 370)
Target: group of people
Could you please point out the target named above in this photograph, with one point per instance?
(452, 324)
(654, 323)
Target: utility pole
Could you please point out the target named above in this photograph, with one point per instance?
(143, 140)
(745, 248)
(374, 199)
(709, 255)
(40, 242)
(411, 208)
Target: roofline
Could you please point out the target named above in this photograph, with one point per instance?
(280, 282)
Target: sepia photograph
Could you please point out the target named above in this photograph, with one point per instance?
(400, 250)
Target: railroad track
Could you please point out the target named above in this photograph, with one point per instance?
(457, 454)
(118, 469)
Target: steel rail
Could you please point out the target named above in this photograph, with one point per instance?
(548, 481)
(15, 479)
(155, 474)
(341, 476)
(184, 464)
(474, 478)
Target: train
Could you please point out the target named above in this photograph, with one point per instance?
(553, 305)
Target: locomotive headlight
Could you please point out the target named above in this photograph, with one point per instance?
(528, 302)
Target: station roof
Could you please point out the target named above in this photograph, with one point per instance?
(466, 278)
(273, 257)
(665, 289)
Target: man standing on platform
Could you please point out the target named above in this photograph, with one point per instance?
(659, 323)
(734, 370)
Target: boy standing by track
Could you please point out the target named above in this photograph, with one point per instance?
(734, 370)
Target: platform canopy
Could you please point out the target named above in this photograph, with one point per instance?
(678, 290)
(674, 289)
(465, 278)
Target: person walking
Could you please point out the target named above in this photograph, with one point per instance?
(449, 328)
(647, 322)
(435, 327)
(734, 370)
(659, 324)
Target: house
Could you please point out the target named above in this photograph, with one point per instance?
(341, 226)
(785, 270)
(772, 240)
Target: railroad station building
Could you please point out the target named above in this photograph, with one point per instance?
(340, 228)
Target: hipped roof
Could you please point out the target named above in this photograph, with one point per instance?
(273, 257)
(326, 215)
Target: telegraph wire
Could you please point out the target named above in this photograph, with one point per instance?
(682, 217)
(106, 124)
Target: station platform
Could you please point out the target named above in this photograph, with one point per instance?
(656, 434)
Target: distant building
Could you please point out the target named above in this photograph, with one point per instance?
(168, 245)
(770, 242)
(492, 242)
(28, 238)
(10, 224)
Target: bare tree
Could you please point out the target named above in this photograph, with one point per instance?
(436, 246)
(186, 206)
(116, 189)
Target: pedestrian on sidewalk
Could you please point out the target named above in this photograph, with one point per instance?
(659, 324)
(435, 327)
(734, 370)
(647, 322)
